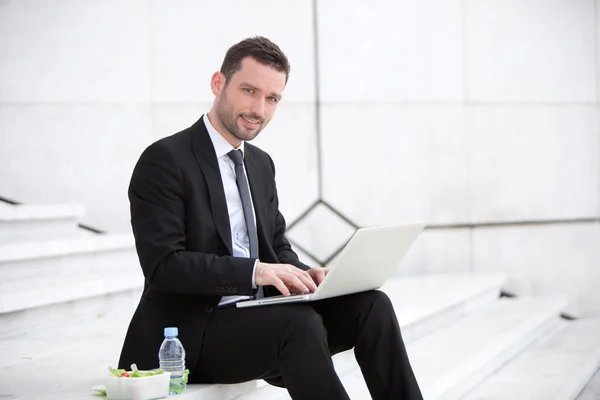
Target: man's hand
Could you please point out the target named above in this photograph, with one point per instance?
(285, 277)
(317, 274)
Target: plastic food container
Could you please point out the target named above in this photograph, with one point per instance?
(143, 388)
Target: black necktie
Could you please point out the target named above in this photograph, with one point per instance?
(242, 184)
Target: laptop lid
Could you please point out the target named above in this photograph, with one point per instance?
(369, 259)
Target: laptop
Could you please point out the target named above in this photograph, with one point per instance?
(366, 262)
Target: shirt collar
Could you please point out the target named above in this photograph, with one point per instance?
(222, 146)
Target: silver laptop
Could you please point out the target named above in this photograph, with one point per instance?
(366, 262)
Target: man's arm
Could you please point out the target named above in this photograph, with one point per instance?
(158, 214)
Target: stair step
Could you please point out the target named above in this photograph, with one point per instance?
(556, 367)
(31, 222)
(77, 357)
(43, 292)
(451, 361)
(46, 303)
(591, 391)
(41, 281)
(92, 346)
(426, 303)
(66, 246)
(454, 359)
(66, 258)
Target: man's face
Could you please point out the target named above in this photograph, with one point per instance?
(248, 101)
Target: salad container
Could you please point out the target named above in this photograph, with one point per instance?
(142, 388)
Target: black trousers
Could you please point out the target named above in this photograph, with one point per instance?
(292, 344)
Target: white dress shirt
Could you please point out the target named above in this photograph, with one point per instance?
(239, 233)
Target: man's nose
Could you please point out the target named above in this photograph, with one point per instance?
(258, 107)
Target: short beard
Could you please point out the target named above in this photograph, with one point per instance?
(229, 119)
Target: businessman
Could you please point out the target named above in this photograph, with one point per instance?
(208, 231)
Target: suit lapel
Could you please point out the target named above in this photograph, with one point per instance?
(206, 157)
(256, 188)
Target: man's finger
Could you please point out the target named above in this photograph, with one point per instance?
(294, 283)
(303, 284)
(281, 286)
(320, 273)
(314, 275)
(307, 280)
(317, 274)
(304, 275)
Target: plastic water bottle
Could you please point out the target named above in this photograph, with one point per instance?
(171, 358)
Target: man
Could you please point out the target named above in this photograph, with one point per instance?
(208, 231)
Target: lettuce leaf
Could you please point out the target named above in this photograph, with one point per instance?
(136, 373)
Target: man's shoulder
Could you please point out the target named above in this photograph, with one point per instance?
(260, 158)
(172, 144)
(256, 151)
(181, 138)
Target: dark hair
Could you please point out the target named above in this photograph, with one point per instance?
(259, 48)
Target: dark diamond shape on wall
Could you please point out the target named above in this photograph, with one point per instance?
(321, 232)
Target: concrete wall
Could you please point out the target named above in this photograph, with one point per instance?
(474, 115)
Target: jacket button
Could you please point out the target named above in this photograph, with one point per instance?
(208, 309)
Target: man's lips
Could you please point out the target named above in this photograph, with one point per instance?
(250, 122)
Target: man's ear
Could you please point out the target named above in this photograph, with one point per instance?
(217, 83)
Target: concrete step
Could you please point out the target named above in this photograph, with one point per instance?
(45, 304)
(44, 281)
(33, 222)
(591, 391)
(70, 359)
(66, 257)
(451, 361)
(454, 359)
(45, 292)
(556, 367)
(425, 303)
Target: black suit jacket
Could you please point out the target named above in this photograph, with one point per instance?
(183, 240)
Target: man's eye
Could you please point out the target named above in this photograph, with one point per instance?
(273, 99)
(248, 90)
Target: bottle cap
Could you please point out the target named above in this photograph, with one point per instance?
(171, 332)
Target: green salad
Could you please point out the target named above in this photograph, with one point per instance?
(177, 385)
(135, 373)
